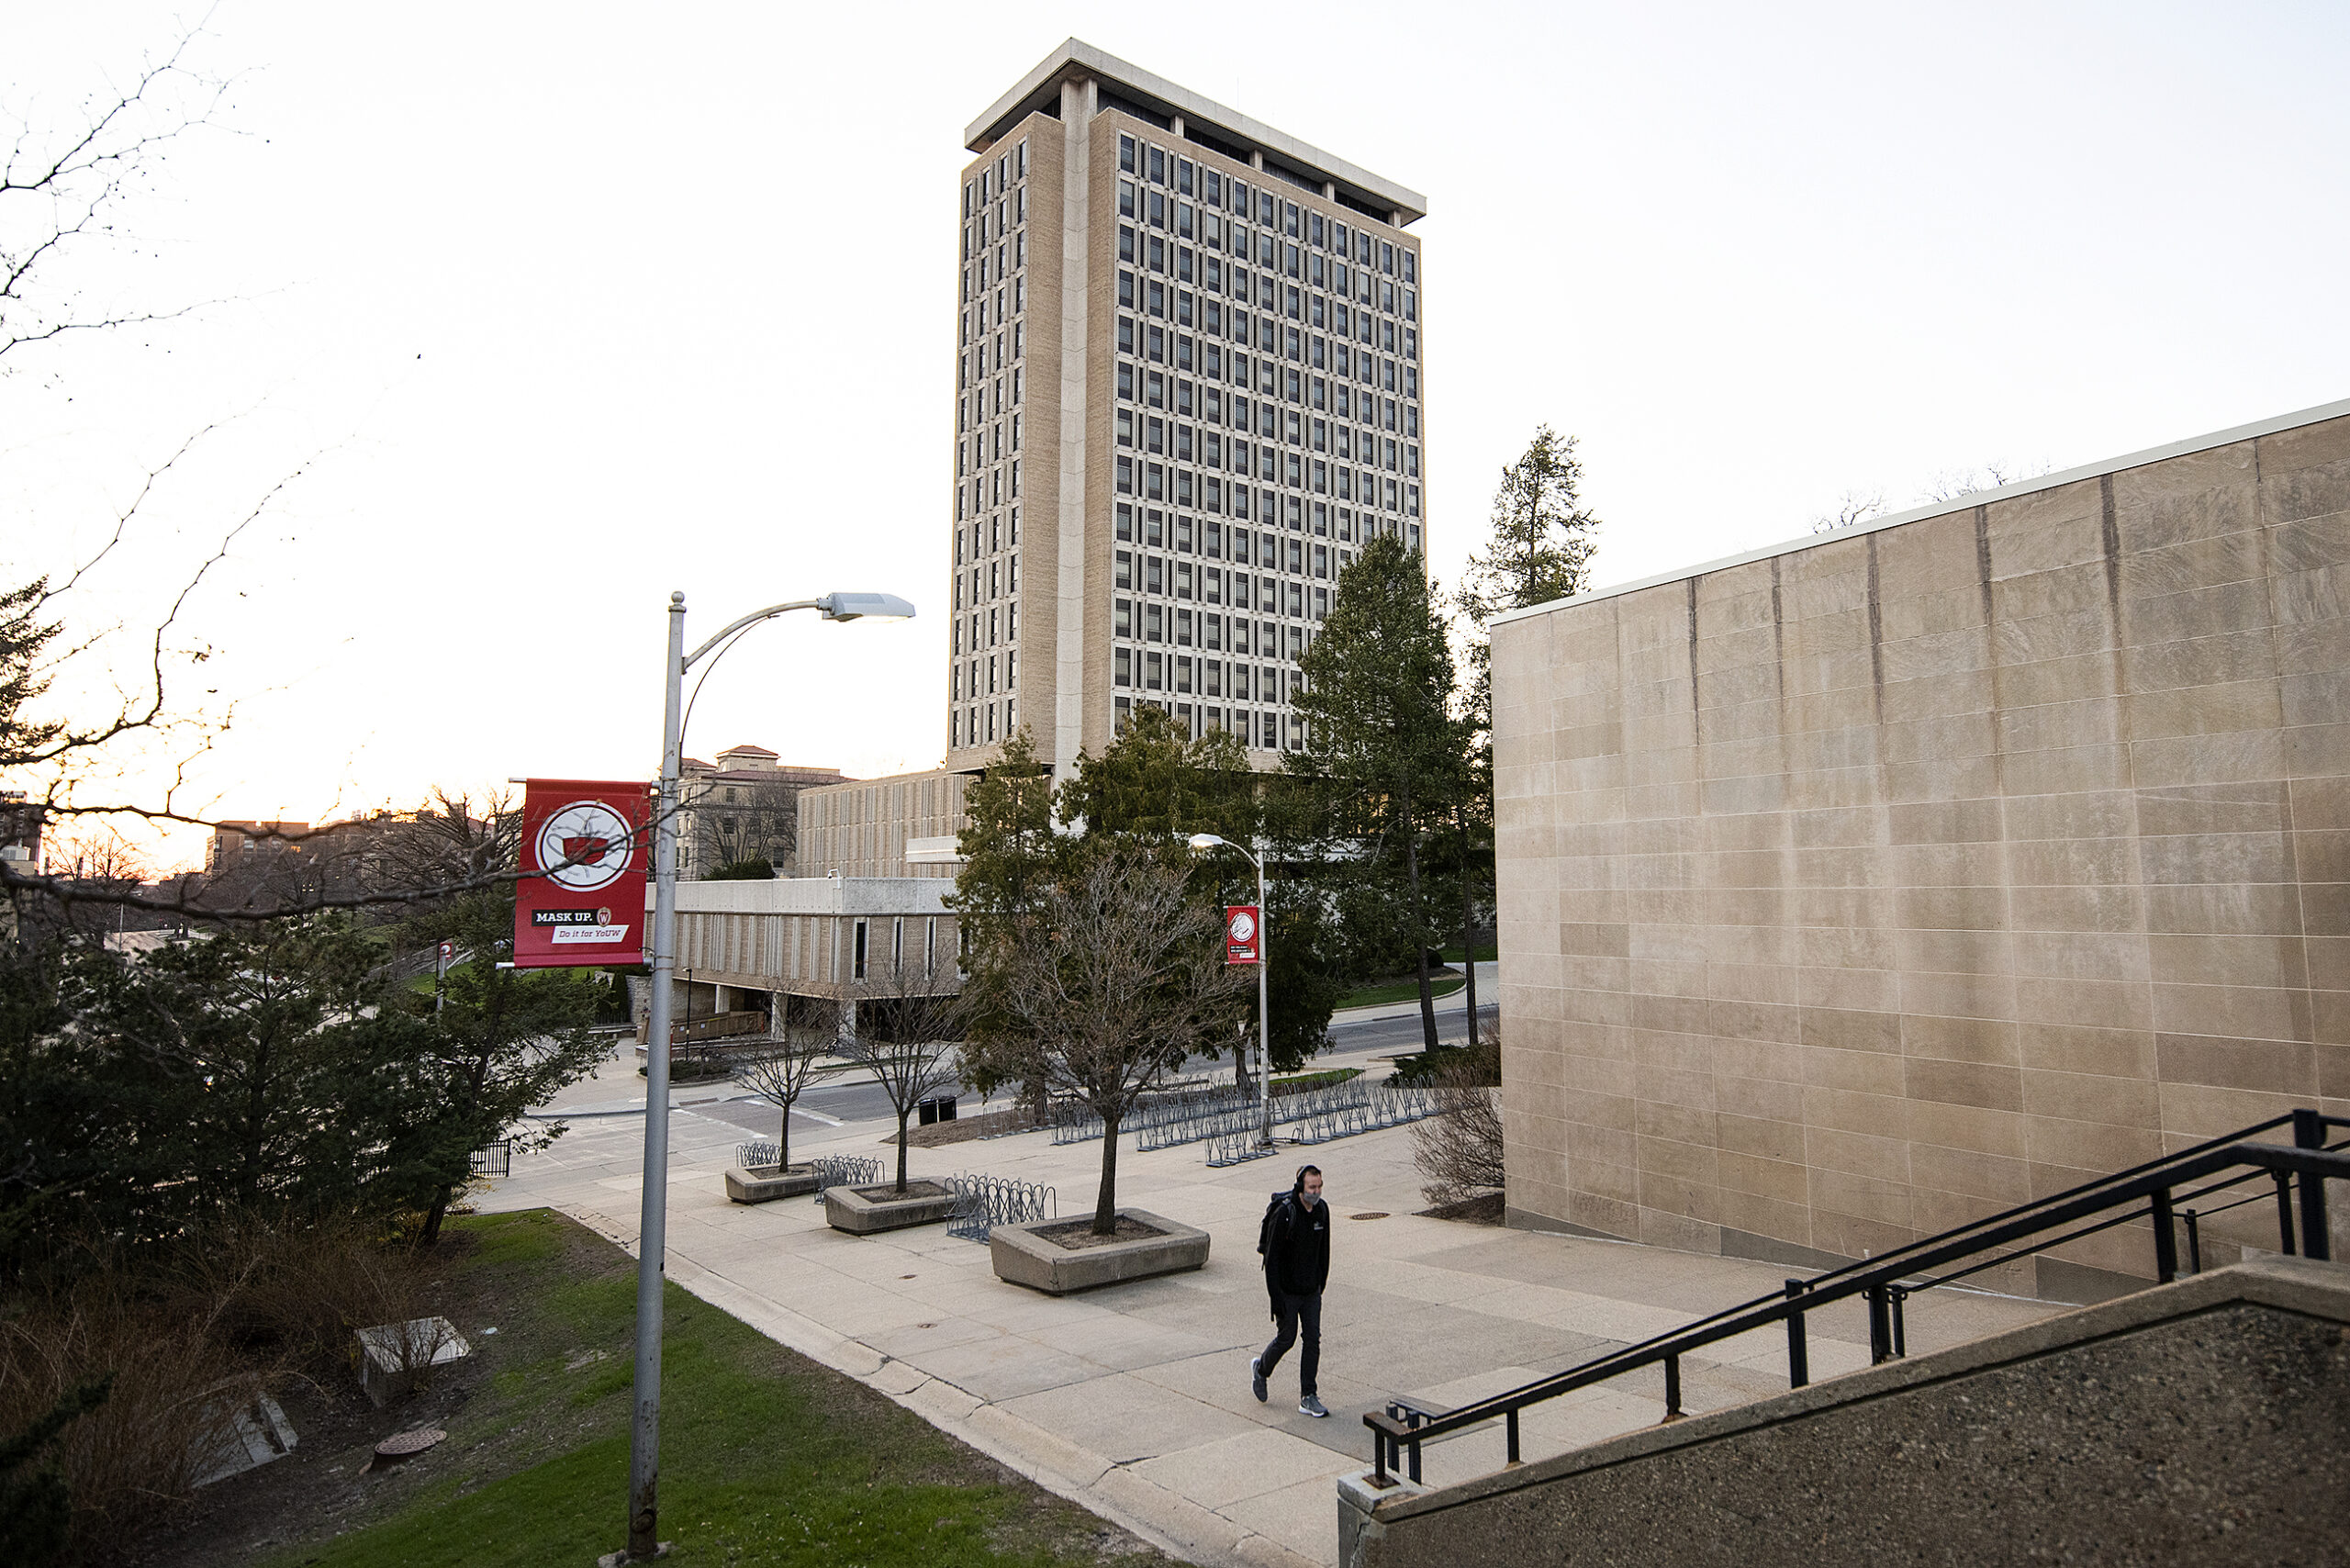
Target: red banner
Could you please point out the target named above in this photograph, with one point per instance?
(586, 848)
(1243, 937)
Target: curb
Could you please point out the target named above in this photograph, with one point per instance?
(1173, 1524)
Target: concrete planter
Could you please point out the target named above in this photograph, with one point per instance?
(765, 1183)
(864, 1211)
(1024, 1256)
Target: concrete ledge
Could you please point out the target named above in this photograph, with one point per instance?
(867, 1211)
(2298, 1289)
(1024, 1258)
(765, 1183)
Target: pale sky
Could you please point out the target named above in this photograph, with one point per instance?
(558, 308)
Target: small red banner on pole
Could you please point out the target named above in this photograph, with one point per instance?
(1241, 944)
(587, 846)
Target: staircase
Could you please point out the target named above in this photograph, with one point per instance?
(1992, 1451)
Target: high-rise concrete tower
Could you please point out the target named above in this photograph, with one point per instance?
(1189, 386)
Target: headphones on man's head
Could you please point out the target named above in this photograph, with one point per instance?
(1303, 1172)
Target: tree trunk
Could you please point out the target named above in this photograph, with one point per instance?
(903, 1114)
(783, 1138)
(432, 1218)
(1467, 931)
(1105, 1204)
(1419, 934)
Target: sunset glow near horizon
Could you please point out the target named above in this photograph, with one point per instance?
(499, 344)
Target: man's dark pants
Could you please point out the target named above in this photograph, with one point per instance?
(1296, 1309)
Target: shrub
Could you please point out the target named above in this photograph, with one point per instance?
(1458, 1150)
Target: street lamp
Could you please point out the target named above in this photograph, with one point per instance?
(1203, 841)
(644, 1438)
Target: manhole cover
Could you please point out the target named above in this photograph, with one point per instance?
(1375, 1213)
(400, 1445)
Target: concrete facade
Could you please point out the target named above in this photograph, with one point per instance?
(831, 941)
(868, 827)
(1188, 386)
(1891, 877)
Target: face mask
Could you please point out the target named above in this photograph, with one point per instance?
(1311, 1200)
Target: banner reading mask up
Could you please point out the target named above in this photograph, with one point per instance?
(586, 848)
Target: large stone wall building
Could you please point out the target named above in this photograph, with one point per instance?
(1188, 386)
(1860, 887)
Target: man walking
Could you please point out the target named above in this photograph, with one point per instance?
(1296, 1240)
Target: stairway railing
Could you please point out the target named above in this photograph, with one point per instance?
(2151, 1191)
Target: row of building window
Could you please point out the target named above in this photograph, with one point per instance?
(995, 579)
(1176, 579)
(1209, 492)
(1221, 193)
(964, 725)
(1259, 730)
(963, 679)
(1140, 621)
(1151, 671)
(989, 628)
(1306, 306)
(1155, 388)
(1206, 356)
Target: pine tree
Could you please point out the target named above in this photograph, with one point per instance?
(1381, 742)
(1540, 551)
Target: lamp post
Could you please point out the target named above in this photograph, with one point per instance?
(1200, 841)
(644, 1436)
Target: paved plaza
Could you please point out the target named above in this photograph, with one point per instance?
(1134, 1399)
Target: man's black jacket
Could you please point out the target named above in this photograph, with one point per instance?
(1297, 1254)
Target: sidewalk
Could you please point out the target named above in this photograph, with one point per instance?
(1134, 1400)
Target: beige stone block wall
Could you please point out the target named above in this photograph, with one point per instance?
(1857, 891)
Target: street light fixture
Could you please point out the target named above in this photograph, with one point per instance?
(644, 1438)
(1205, 841)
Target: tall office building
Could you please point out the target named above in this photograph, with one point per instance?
(1188, 387)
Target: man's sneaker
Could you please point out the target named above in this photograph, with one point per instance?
(1309, 1406)
(1256, 1380)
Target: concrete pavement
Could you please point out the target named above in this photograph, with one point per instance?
(1134, 1399)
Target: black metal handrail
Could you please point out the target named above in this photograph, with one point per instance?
(1888, 1280)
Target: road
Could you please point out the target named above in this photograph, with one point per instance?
(831, 1104)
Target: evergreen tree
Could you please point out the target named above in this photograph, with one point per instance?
(499, 1042)
(1380, 741)
(1540, 550)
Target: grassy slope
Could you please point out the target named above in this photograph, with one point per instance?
(1401, 991)
(767, 1458)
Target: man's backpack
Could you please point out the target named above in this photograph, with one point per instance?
(1265, 1226)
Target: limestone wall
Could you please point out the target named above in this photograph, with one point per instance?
(1855, 891)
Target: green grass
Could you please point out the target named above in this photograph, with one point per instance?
(766, 1459)
(1299, 1083)
(1400, 990)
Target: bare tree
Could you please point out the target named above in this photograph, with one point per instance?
(761, 823)
(1105, 985)
(1956, 484)
(905, 1036)
(798, 1059)
(1458, 1150)
(1853, 506)
(60, 192)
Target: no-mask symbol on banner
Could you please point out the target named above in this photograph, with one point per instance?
(582, 837)
(1242, 942)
